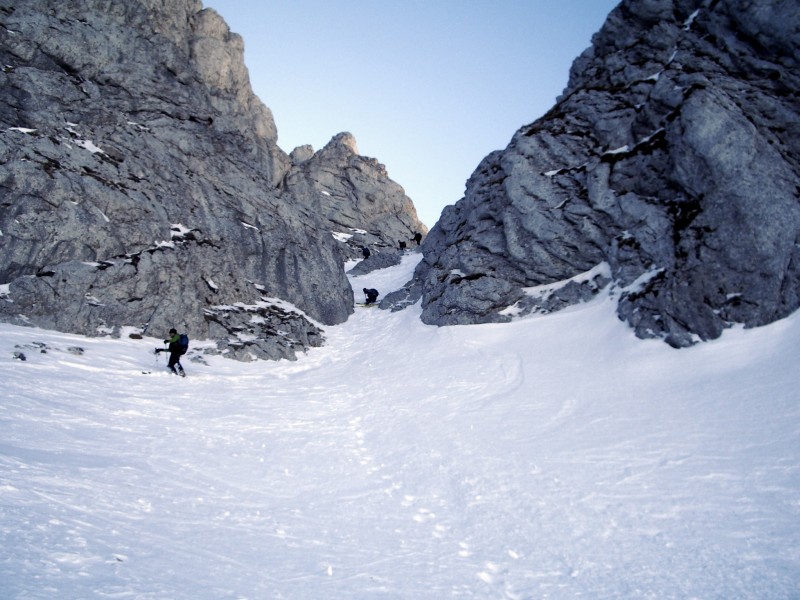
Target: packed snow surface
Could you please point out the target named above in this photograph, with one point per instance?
(553, 457)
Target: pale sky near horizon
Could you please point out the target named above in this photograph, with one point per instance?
(427, 87)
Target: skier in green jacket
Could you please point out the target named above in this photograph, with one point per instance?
(175, 352)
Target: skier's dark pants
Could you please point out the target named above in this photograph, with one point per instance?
(174, 359)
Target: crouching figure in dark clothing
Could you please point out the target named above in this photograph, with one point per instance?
(371, 295)
(176, 350)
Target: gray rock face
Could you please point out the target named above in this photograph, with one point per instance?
(141, 184)
(669, 168)
(377, 261)
(354, 195)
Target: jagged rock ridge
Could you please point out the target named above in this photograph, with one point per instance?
(354, 195)
(141, 184)
(669, 169)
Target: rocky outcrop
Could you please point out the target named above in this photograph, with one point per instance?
(354, 194)
(141, 184)
(669, 169)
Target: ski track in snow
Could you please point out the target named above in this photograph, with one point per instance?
(555, 457)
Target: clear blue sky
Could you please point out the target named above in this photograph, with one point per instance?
(427, 87)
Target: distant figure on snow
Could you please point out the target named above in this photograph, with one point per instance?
(365, 251)
(417, 237)
(402, 245)
(176, 350)
(371, 295)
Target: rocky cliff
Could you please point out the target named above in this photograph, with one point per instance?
(354, 195)
(668, 172)
(141, 184)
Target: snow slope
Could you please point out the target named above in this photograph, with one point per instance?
(554, 457)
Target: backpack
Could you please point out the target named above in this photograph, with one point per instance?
(183, 342)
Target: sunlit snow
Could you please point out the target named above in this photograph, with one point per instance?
(554, 457)
(89, 145)
(341, 237)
